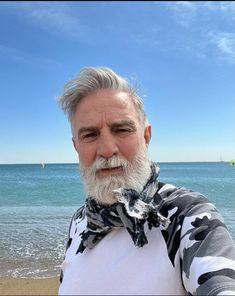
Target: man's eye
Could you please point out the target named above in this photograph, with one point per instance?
(123, 131)
(89, 137)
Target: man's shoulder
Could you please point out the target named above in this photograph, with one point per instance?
(77, 217)
(182, 199)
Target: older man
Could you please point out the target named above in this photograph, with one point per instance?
(134, 235)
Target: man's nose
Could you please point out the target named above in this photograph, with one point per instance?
(107, 146)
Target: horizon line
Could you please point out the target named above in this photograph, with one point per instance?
(47, 163)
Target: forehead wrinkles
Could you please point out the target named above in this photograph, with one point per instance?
(99, 103)
(107, 108)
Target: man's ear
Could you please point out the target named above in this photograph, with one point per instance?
(75, 144)
(147, 134)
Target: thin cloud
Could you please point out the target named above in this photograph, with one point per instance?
(225, 44)
(197, 19)
(57, 18)
(227, 7)
(184, 12)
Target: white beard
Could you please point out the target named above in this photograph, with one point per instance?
(134, 176)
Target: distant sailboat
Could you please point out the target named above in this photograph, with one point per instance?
(43, 165)
(221, 159)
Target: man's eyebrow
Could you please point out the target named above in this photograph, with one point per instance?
(123, 123)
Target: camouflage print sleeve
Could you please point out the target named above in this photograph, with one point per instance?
(207, 252)
(206, 249)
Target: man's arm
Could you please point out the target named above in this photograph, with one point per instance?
(207, 253)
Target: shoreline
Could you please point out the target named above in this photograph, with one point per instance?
(29, 286)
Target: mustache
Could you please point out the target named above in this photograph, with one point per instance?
(107, 163)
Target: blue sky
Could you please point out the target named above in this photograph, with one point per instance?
(180, 54)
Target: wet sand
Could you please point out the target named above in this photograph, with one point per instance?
(18, 286)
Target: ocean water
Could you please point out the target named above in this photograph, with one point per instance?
(36, 206)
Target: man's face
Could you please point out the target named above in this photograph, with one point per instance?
(111, 143)
(106, 123)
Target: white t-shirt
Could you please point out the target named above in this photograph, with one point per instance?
(116, 266)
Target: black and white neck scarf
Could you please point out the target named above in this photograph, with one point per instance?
(131, 211)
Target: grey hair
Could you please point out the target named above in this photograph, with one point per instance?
(92, 79)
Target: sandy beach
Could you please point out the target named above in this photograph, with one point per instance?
(19, 286)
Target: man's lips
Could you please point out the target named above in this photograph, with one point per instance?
(110, 171)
